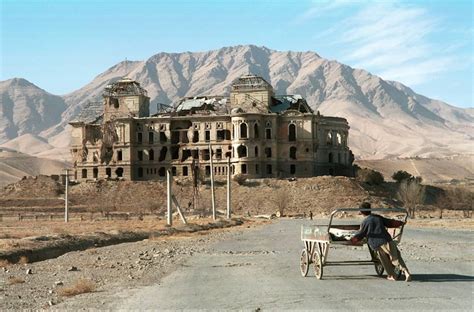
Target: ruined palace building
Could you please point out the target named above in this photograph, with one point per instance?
(264, 135)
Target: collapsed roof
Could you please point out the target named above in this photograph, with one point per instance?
(92, 113)
(124, 87)
(250, 82)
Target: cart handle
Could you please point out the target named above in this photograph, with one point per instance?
(401, 210)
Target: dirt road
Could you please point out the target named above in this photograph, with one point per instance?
(259, 268)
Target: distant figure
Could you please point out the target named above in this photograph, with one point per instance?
(374, 228)
(311, 215)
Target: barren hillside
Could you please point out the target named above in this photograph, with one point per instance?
(14, 166)
(25, 108)
(432, 170)
(319, 195)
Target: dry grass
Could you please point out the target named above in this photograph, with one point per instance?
(81, 286)
(15, 280)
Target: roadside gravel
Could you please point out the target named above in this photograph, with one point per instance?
(38, 285)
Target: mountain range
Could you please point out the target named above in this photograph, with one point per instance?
(387, 118)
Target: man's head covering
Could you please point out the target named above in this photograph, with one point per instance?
(365, 205)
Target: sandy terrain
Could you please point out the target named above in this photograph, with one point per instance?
(15, 165)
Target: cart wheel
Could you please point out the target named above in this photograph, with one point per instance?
(304, 263)
(378, 267)
(318, 265)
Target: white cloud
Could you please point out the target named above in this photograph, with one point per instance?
(390, 39)
(320, 7)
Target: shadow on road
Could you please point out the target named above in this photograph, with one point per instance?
(351, 277)
(442, 278)
(416, 277)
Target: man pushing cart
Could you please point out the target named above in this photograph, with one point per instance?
(382, 245)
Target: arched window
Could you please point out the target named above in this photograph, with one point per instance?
(140, 172)
(330, 158)
(84, 173)
(243, 131)
(162, 171)
(338, 139)
(163, 152)
(151, 154)
(255, 131)
(293, 152)
(292, 132)
(329, 138)
(119, 172)
(242, 151)
(256, 151)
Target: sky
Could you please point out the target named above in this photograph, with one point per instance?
(62, 45)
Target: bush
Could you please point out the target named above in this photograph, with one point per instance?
(240, 179)
(369, 176)
(401, 175)
(81, 286)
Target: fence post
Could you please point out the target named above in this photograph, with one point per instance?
(169, 219)
(228, 188)
(213, 196)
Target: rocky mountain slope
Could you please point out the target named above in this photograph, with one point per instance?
(25, 108)
(386, 118)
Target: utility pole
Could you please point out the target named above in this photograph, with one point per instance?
(228, 188)
(169, 219)
(66, 212)
(213, 197)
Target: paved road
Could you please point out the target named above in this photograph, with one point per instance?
(259, 268)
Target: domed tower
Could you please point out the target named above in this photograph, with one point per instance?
(125, 98)
(251, 93)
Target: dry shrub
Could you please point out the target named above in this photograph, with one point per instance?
(369, 176)
(15, 280)
(23, 260)
(81, 286)
(4, 263)
(457, 198)
(240, 179)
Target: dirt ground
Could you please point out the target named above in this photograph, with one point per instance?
(31, 216)
(46, 283)
(116, 275)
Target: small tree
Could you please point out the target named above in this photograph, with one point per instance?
(411, 193)
(369, 176)
(401, 175)
(281, 200)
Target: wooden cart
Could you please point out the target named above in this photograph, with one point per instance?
(318, 238)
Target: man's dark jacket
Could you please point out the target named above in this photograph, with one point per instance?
(374, 228)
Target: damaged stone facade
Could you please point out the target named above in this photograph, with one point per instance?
(264, 135)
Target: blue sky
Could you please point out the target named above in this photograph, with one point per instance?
(62, 45)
